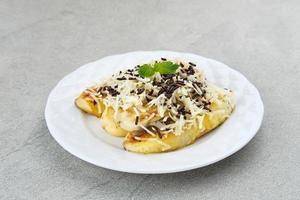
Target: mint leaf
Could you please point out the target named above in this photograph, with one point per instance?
(163, 67)
(146, 70)
(166, 67)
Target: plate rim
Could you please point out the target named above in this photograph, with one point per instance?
(187, 167)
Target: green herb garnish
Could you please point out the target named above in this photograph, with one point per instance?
(146, 70)
(166, 67)
(163, 67)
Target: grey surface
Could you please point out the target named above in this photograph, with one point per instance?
(41, 41)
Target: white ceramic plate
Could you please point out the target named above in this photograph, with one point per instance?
(82, 135)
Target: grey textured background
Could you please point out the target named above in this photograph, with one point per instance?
(41, 41)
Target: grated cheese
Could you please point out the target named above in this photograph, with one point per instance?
(127, 89)
(147, 130)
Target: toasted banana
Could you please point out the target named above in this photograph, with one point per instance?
(146, 143)
(118, 125)
(87, 104)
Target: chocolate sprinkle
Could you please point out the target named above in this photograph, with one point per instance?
(168, 76)
(192, 64)
(122, 78)
(190, 71)
(180, 83)
(160, 91)
(148, 99)
(112, 91)
(136, 120)
(99, 90)
(140, 90)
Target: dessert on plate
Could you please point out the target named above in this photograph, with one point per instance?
(159, 106)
